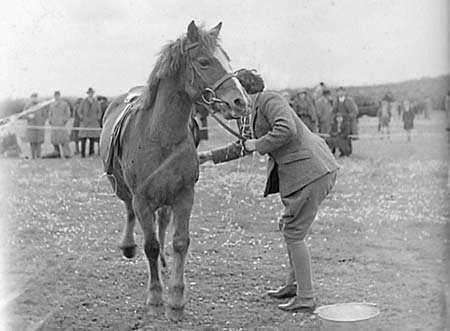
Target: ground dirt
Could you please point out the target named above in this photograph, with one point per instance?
(381, 236)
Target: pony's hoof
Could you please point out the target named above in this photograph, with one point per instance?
(155, 310)
(174, 314)
(129, 252)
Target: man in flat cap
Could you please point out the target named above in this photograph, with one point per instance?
(300, 168)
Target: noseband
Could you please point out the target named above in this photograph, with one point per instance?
(209, 93)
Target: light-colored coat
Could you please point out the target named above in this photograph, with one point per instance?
(36, 118)
(297, 157)
(58, 115)
(89, 113)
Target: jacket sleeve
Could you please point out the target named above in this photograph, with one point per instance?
(229, 153)
(279, 115)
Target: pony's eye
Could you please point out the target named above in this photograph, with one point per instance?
(204, 62)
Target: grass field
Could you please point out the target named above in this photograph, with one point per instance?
(381, 236)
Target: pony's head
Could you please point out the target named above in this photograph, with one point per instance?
(204, 70)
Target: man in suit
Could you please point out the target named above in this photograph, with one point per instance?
(89, 113)
(300, 167)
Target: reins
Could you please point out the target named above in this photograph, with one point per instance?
(221, 122)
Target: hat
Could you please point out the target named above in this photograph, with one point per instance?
(90, 90)
(302, 90)
(340, 88)
(57, 93)
(33, 95)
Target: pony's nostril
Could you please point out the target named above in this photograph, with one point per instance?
(239, 103)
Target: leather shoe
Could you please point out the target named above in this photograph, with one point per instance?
(296, 304)
(287, 291)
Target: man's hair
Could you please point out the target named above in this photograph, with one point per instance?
(250, 80)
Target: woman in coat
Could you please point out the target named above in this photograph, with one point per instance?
(58, 116)
(90, 114)
(35, 136)
(300, 168)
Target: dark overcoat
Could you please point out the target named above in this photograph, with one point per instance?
(297, 157)
(408, 119)
(90, 114)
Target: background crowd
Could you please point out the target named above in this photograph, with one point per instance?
(86, 117)
(331, 113)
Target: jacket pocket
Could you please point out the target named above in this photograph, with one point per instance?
(295, 156)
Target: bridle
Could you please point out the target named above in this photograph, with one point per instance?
(208, 95)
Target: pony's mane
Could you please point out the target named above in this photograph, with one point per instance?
(169, 61)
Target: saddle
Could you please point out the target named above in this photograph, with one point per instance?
(133, 104)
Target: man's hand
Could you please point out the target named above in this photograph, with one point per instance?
(250, 145)
(205, 156)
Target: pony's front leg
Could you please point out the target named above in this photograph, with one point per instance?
(128, 244)
(181, 215)
(163, 218)
(146, 218)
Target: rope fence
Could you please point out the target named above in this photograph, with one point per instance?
(218, 129)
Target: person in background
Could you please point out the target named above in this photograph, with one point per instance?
(75, 126)
(428, 108)
(58, 116)
(339, 135)
(103, 106)
(347, 108)
(287, 97)
(408, 118)
(324, 112)
(447, 109)
(35, 136)
(317, 91)
(90, 113)
(305, 110)
(300, 168)
(384, 117)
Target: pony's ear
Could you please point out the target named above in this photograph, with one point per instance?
(216, 30)
(192, 32)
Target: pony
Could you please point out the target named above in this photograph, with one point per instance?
(151, 159)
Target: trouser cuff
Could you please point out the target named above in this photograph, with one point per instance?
(306, 294)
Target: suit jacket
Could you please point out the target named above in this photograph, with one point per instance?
(297, 157)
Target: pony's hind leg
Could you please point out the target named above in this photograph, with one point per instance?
(163, 217)
(128, 244)
(181, 215)
(146, 218)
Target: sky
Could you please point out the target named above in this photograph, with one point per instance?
(111, 45)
